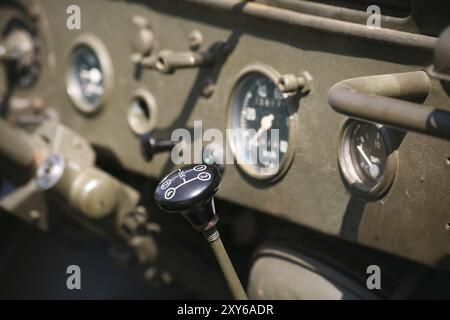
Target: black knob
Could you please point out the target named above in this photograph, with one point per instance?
(151, 146)
(190, 191)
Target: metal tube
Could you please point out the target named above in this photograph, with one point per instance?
(168, 61)
(165, 145)
(321, 24)
(213, 237)
(333, 12)
(376, 98)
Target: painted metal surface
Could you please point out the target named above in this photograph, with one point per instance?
(409, 221)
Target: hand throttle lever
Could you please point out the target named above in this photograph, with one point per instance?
(190, 191)
(151, 146)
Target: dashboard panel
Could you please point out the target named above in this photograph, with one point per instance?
(407, 216)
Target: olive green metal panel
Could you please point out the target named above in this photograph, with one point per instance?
(409, 221)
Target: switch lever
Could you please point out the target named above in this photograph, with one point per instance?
(189, 191)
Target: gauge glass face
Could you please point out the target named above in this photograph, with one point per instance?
(368, 152)
(86, 82)
(260, 112)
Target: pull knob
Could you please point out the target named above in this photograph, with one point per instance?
(151, 146)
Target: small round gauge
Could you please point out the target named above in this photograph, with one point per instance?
(89, 75)
(261, 121)
(367, 158)
(142, 112)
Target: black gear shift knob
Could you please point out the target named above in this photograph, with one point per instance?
(189, 191)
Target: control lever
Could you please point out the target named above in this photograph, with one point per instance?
(169, 61)
(151, 146)
(190, 191)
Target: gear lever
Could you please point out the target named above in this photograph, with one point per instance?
(190, 191)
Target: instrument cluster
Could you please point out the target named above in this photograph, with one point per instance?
(261, 113)
(298, 154)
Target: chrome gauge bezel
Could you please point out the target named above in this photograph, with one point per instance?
(248, 169)
(353, 181)
(97, 46)
(140, 125)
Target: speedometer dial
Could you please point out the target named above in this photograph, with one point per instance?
(261, 123)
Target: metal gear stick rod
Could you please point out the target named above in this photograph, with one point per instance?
(190, 191)
(213, 237)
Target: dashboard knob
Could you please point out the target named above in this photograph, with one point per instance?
(189, 191)
(151, 146)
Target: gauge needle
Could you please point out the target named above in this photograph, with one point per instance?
(266, 124)
(360, 149)
(93, 75)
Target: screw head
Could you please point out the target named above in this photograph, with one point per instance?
(50, 172)
(208, 88)
(195, 39)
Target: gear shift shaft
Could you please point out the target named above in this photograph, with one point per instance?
(190, 191)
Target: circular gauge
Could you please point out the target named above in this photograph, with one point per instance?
(367, 158)
(260, 116)
(142, 112)
(89, 74)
